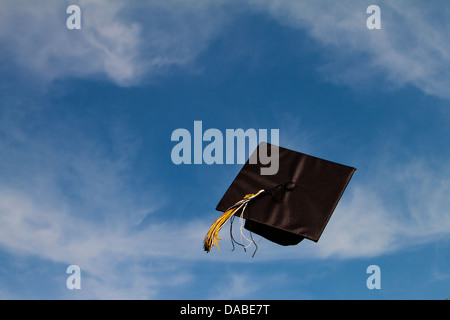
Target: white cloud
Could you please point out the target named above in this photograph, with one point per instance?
(242, 285)
(130, 41)
(235, 286)
(412, 47)
(395, 207)
(35, 33)
(367, 223)
(70, 203)
(51, 230)
(122, 41)
(64, 199)
(361, 226)
(117, 261)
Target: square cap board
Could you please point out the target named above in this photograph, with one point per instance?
(296, 202)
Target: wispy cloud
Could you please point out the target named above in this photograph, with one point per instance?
(411, 48)
(120, 41)
(368, 222)
(36, 36)
(235, 286)
(64, 198)
(127, 42)
(96, 228)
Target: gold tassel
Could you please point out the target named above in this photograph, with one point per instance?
(212, 237)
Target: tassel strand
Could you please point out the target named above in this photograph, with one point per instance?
(212, 237)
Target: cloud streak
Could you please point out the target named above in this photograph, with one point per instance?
(124, 42)
(65, 199)
(43, 45)
(410, 49)
(130, 42)
(98, 227)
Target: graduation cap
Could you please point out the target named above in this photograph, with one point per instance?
(294, 203)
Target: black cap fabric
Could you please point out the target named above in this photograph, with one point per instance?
(297, 201)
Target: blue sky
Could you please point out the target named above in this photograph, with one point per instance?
(86, 118)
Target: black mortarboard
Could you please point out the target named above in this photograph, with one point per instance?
(294, 203)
